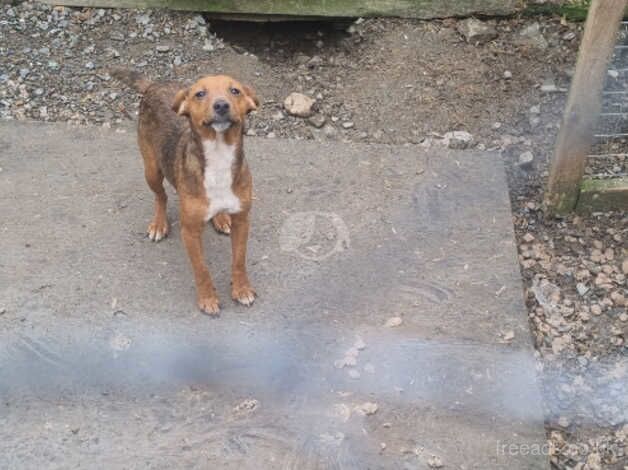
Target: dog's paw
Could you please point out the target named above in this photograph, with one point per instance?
(244, 295)
(157, 230)
(222, 223)
(209, 305)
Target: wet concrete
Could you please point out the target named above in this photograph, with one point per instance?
(105, 362)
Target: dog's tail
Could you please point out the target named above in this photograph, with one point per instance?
(132, 78)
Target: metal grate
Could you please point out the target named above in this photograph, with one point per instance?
(609, 156)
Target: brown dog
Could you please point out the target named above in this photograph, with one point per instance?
(193, 137)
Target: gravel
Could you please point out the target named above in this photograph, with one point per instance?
(398, 82)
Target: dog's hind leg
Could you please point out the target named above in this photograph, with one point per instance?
(158, 228)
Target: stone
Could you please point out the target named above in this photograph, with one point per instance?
(393, 322)
(525, 159)
(457, 139)
(367, 408)
(434, 462)
(317, 120)
(532, 36)
(330, 131)
(549, 86)
(298, 104)
(476, 31)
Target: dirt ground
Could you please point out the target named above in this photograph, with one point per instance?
(387, 81)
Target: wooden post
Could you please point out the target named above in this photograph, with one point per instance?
(583, 105)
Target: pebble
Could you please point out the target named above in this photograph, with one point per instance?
(359, 344)
(582, 289)
(569, 36)
(434, 462)
(317, 120)
(330, 131)
(525, 160)
(475, 31)
(162, 48)
(528, 237)
(549, 86)
(531, 36)
(298, 104)
(393, 322)
(457, 139)
(367, 408)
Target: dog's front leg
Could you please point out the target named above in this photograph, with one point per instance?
(241, 290)
(192, 225)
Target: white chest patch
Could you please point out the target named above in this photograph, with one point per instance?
(219, 159)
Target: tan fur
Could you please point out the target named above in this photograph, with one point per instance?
(173, 123)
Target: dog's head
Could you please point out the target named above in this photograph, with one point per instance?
(216, 102)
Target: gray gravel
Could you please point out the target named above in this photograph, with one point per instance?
(54, 58)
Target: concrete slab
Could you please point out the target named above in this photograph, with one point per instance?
(106, 363)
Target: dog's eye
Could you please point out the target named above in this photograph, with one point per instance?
(200, 94)
(234, 91)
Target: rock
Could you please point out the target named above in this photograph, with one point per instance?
(162, 48)
(298, 104)
(457, 139)
(507, 74)
(564, 422)
(569, 36)
(434, 462)
(393, 322)
(317, 120)
(347, 125)
(330, 131)
(246, 406)
(526, 159)
(528, 237)
(507, 336)
(549, 86)
(531, 36)
(142, 19)
(582, 288)
(594, 461)
(367, 408)
(624, 266)
(476, 31)
(560, 343)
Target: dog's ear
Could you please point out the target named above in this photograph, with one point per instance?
(180, 102)
(251, 99)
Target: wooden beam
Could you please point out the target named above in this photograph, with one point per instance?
(603, 195)
(319, 8)
(583, 105)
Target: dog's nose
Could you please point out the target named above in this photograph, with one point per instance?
(221, 107)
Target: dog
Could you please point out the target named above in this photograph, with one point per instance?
(193, 137)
